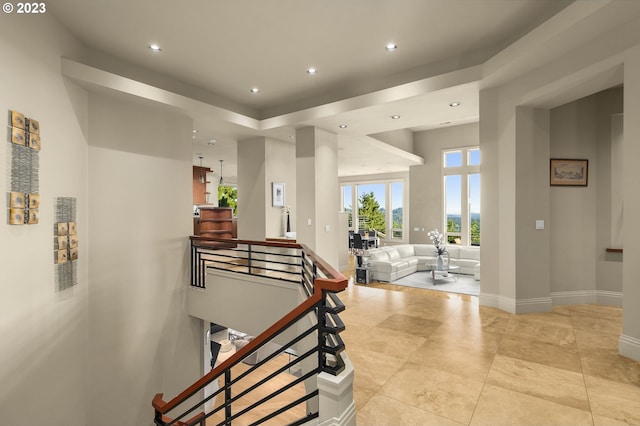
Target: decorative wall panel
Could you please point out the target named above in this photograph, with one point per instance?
(65, 242)
(24, 144)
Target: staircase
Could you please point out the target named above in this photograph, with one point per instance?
(264, 392)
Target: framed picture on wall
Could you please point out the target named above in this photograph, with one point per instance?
(565, 172)
(277, 194)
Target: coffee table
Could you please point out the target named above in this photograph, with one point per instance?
(451, 271)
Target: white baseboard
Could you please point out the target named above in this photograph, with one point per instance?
(493, 300)
(544, 304)
(534, 304)
(348, 418)
(521, 306)
(488, 299)
(612, 298)
(629, 347)
(579, 297)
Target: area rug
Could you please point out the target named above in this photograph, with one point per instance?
(464, 285)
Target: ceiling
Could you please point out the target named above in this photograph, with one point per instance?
(215, 51)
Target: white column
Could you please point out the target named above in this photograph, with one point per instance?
(630, 338)
(318, 195)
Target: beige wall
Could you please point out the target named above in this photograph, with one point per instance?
(142, 341)
(557, 83)
(425, 192)
(252, 192)
(582, 129)
(262, 161)
(43, 332)
(281, 167)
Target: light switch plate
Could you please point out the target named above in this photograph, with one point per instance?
(539, 224)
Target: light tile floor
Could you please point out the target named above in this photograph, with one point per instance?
(424, 357)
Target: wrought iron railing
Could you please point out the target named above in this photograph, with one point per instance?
(272, 378)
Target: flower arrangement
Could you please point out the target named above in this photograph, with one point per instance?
(438, 241)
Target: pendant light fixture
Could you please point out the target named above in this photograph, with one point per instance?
(221, 179)
(201, 175)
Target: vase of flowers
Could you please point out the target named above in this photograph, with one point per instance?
(441, 250)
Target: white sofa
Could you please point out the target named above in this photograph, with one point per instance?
(390, 263)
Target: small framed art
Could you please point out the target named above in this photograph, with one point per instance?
(565, 172)
(277, 194)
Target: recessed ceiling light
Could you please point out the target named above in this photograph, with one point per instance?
(395, 117)
(255, 90)
(312, 71)
(343, 126)
(454, 104)
(391, 47)
(154, 47)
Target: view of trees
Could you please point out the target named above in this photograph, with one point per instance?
(369, 209)
(372, 216)
(454, 224)
(228, 197)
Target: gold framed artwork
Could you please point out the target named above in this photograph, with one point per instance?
(568, 172)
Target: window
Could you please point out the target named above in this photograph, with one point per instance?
(228, 197)
(371, 207)
(397, 220)
(379, 207)
(347, 202)
(461, 183)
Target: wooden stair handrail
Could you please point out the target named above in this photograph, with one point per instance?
(197, 238)
(336, 284)
(337, 278)
(164, 407)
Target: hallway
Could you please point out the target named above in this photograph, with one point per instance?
(426, 357)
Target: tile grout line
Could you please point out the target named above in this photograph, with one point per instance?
(584, 380)
(489, 372)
